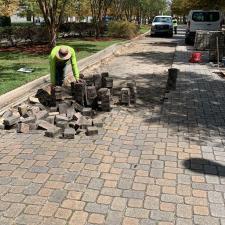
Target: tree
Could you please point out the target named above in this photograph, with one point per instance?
(140, 9)
(130, 7)
(118, 8)
(99, 9)
(78, 8)
(29, 8)
(53, 12)
(8, 7)
(182, 7)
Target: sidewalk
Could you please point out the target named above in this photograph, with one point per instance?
(160, 164)
(194, 114)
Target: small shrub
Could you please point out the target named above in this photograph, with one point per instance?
(74, 29)
(122, 29)
(17, 35)
(5, 21)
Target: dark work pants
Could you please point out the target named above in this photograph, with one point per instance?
(175, 30)
(60, 73)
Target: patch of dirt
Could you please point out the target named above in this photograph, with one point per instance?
(98, 39)
(168, 44)
(41, 49)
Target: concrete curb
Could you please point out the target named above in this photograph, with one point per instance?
(20, 94)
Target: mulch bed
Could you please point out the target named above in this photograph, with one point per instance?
(40, 49)
(44, 49)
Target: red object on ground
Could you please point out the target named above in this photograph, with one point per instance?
(196, 57)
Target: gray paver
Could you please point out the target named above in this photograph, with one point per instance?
(24, 219)
(137, 213)
(133, 194)
(206, 220)
(162, 216)
(114, 218)
(32, 189)
(96, 183)
(172, 198)
(151, 203)
(14, 210)
(215, 197)
(125, 184)
(96, 208)
(217, 210)
(58, 196)
(147, 222)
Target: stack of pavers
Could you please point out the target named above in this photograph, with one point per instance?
(68, 113)
(133, 92)
(129, 94)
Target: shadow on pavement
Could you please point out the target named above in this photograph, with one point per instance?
(150, 89)
(196, 109)
(204, 166)
(156, 57)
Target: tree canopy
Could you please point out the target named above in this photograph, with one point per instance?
(182, 7)
(55, 12)
(8, 7)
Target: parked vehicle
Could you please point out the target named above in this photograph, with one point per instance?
(210, 20)
(162, 25)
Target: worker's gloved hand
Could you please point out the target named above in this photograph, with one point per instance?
(52, 90)
(79, 81)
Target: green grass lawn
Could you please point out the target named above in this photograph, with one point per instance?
(10, 62)
(144, 29)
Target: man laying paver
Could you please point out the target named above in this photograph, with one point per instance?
(59, 58)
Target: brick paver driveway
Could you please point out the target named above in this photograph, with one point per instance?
(162, 162)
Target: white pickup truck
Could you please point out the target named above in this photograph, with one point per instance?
(210, 20)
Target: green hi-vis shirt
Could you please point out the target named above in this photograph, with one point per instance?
(53, 60)
(175, 22)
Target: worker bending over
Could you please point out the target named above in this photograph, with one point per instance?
(60, 57)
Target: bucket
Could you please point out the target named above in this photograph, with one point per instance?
(172, 78)
(196, 57)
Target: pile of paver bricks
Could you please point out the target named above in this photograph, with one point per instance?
(66, 112)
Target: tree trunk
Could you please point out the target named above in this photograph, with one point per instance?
(52, 35)
(33, 18)
(97, 28)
